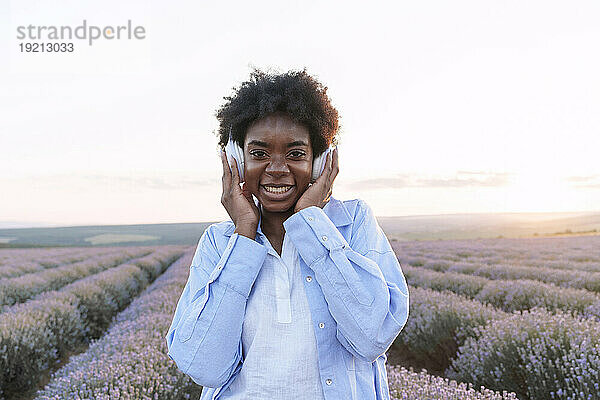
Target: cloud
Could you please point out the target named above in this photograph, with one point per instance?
(461, 179)
(589, 181)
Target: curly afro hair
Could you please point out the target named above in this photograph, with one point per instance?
(295, 93)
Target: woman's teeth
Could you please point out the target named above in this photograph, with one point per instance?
(273, 189)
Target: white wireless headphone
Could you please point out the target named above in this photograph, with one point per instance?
(235, 151)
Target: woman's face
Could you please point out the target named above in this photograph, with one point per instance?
(278, 161)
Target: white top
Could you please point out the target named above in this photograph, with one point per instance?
(278, 340)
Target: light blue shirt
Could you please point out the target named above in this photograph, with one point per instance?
(357, 294)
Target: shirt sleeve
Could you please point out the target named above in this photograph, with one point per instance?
(204, 339)
(362, 281)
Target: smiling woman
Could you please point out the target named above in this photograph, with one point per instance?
(300, 295)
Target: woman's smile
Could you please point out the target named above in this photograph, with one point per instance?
(277, 192)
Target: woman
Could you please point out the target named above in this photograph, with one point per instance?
(300, 295)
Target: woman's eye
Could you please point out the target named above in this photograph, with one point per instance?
(258, 153)
(297, 153)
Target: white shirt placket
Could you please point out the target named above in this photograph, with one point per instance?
(283, 278)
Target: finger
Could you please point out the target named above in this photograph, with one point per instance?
(328, 162)
(328, 196)
(335, 165)
(226, 170)
(235, 174)
(247, 194)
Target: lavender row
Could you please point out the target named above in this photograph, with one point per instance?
(131, 360)
(573, 253)
(513, 295)
(35, 333)
(18, 265)
(535, 354)
(17, 290)
(438, 323)
(409, 385)
(563, 278)
(8, 256)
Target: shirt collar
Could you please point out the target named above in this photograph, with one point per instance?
(334, 209)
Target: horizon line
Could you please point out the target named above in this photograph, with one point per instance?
(41, 225)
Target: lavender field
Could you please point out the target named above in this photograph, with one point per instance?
(521, 315)
(489, 319)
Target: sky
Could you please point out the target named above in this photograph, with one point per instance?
(445, 107)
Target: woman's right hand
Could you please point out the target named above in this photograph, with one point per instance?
(238, 202)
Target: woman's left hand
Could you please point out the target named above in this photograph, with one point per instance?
(318, 193)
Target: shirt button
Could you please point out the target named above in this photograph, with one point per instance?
(308, 278)
(219, 266)
(324, 238)
(321, 325)
(310, 218)
(328, 381)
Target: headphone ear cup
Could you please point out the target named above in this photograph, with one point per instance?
(319, 165)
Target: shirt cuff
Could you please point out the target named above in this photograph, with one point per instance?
(240, 264)
(313, 234)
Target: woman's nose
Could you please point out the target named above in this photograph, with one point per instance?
(277, 165)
